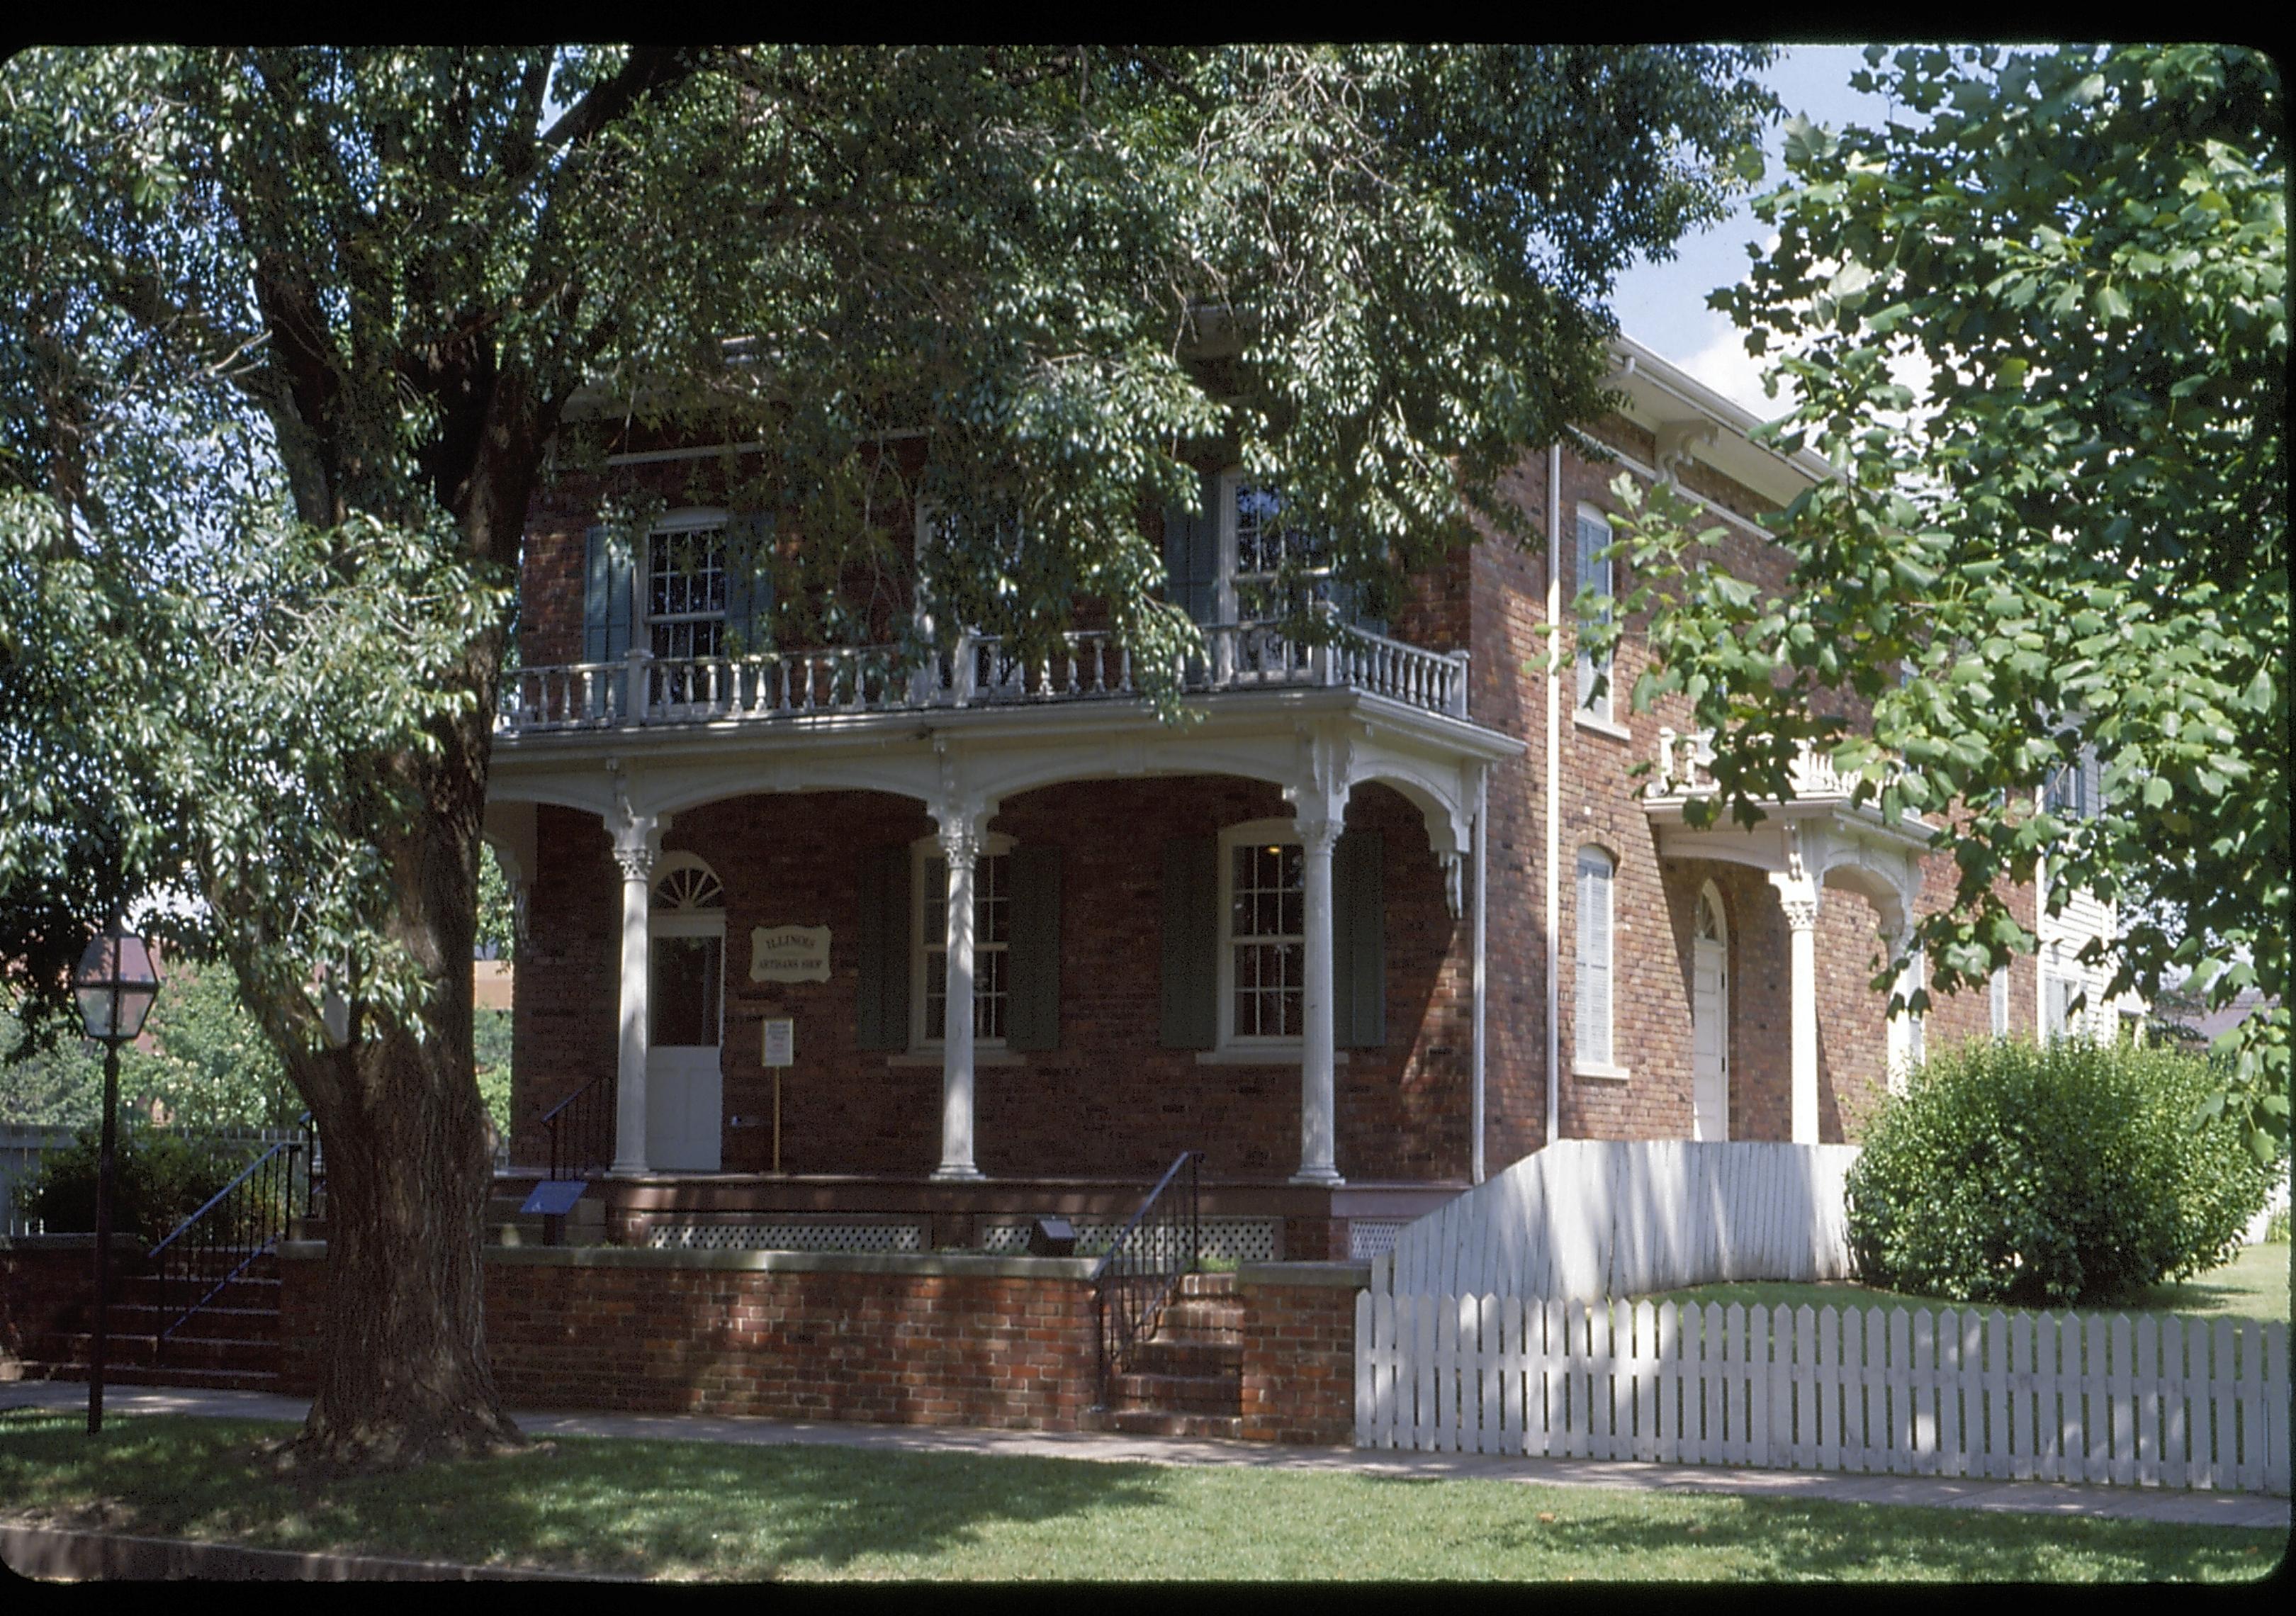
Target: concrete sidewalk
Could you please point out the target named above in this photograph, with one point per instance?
(2255, 1510)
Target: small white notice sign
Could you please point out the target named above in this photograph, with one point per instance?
(781, 1041)
(789, 954)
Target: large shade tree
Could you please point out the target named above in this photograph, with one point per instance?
(2074, 536)
(302, 325)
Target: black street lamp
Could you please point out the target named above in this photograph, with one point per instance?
(116, 983)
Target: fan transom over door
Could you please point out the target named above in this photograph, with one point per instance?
(1709, 1017)
(685, 1015)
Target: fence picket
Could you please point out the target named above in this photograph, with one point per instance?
(2149, 1402)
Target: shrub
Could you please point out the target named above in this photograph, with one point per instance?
(2069, 1174)
(159, 1180)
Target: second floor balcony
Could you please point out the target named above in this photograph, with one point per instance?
(771, 687)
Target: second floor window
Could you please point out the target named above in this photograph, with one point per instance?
(686, 590)
(1595, 573)
(1266, 547)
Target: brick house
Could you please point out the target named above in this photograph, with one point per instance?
(1392, 913)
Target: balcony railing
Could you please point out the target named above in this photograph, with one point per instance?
(1686, 760)
(977, 672)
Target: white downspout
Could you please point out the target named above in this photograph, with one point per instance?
(1482, 842)
(1554, 789)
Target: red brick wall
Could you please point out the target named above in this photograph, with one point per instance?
(47, 1283)
(915, 1349)
(1299, 1355)
(1111, 1102)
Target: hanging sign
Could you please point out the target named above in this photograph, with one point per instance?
(789, 954)
(781, 1041)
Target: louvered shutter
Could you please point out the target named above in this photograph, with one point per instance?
(749, 584)
(1359, 941)
(1033, 953)
(605, 599)
(1192, 555)
(1593, 1041)
(882, 1002)
(1191, 943)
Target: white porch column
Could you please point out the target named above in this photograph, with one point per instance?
(1799, 895)
(1317, 1129)
(637, 846)
(960, 845)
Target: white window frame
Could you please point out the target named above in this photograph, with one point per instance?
(1908, 1029)
(2000, 1002)
(1263, 832)
(923, 854)
(1600, 714)
(1595, 1057)
(1228, 592)
(673, 525)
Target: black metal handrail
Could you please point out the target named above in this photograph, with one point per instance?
(238, 1223)
(586, 1117)
(1143, 1265)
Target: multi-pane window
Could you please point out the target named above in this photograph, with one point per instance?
(2066, 791)
(686, 592)
(2001, 1002)
(1595, 573)
(1594, 1047)
(1265, 546)
(992, 923)
(1267, 939)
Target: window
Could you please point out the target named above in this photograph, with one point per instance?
(992, 941)
(686, 587)
(2068, 792)
(1264, 547)
(2056, 1005)
(1263, 934)
(1592, 1047)
(1595, 573)
(2001, 1002)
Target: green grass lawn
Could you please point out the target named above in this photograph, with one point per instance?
(702, 1510)
(2253, 1284)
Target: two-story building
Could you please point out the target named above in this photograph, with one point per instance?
(1389, 913)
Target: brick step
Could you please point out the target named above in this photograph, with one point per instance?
(1162, 1355)
(163, 1374)
(1208, 1284)
(1151, 1393)
(1202, 1318)
(1147, 1423)
(229, 1323)
(198, 1352)
(252, 1292)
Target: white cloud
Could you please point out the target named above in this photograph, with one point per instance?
(1724, 365)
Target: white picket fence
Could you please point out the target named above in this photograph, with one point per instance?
(2161, 1402)
(1589, 1218)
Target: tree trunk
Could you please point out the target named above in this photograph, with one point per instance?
(403, 1375)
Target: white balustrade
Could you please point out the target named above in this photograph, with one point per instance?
(1686, 768)
(1090, 665)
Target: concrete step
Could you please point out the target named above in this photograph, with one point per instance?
(1208, 1284)
(1202, 1318)
(1156, 1423)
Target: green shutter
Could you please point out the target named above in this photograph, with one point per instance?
(1359, 941)
(749, 584)
(1192, 555)
(882, 1001)
(605, 599)
(1191, 939)
(1033, 1010)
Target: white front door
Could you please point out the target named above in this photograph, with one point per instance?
(1709, 1021)
(685, 1006)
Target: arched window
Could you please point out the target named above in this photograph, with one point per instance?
(1592, 1047)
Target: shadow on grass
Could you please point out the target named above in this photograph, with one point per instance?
(1705, 1538)
(665, 1508)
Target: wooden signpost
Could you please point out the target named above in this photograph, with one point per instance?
(780, 1051)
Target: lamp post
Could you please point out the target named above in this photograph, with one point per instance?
(115, 982)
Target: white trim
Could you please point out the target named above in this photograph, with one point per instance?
(1600, 1073)
(1270, 832)
(1585, 719)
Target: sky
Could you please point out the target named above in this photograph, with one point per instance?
(1663, 306)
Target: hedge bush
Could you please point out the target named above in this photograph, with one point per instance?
(159, 1180)
(2072, 1174)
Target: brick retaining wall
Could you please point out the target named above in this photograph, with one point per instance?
(1299, 1349)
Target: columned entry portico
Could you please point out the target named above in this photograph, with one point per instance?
(1822, 838)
